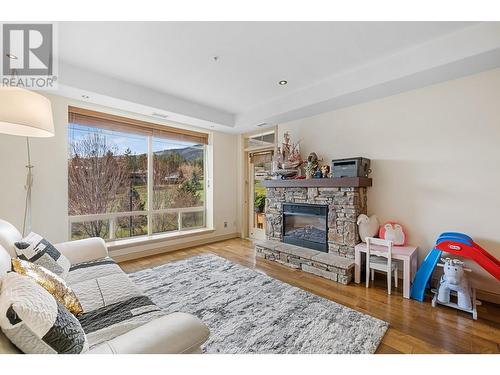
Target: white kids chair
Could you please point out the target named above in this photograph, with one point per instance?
(379, 258)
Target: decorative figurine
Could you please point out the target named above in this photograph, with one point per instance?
(287, 159)
(290, 153)
(286, 146)
(309, 170)
(325, 169)
(313, 159)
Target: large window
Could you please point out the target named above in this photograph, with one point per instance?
(129, 178)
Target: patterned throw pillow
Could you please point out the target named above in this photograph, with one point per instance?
(50, 282)
(35, 322)
(36, 249)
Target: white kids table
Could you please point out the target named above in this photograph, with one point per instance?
(407, 254)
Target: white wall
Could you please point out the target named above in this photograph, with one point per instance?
(50, 196)
(435, 158)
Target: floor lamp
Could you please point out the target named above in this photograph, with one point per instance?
(27, 114)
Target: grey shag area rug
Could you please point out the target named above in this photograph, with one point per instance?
(250, 312)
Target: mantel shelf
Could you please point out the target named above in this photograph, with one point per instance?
(319, 182)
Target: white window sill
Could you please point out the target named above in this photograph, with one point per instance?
(146, 240)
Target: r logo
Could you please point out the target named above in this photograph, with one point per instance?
(27, 49)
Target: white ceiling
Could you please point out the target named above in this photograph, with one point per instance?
(172, 64)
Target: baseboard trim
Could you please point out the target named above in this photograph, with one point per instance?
(157, 238)
(484, 295)
(166, 248)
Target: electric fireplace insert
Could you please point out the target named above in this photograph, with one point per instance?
(306, 225)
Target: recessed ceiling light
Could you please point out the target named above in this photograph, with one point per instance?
(85, 97)
(11, 56)
(157, 114)
(282, 82)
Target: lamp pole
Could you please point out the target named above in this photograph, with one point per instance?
(29, 184)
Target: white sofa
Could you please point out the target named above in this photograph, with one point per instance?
(155, 333)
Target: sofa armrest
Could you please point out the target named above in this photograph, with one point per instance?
(85, 250)
(175, 333)
(6, 347)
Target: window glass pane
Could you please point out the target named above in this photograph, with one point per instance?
(98, 228)
(178, 174)
(107, 171)
(260, 140)
(108, 174)
(193, 220)
(165, 222)
(131, 226)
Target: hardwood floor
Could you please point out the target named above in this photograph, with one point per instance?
(414, 327)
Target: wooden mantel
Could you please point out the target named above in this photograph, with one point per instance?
(320, 182)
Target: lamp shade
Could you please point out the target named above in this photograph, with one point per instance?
(25, 113)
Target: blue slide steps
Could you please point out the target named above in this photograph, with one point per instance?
(424, 273)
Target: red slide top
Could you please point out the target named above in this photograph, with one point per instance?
(474, 252)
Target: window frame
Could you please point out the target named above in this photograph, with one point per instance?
(149, 211)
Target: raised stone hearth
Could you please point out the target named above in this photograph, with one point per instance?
(329, 266)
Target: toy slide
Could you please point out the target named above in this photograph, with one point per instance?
(458, 244)
(424, 274)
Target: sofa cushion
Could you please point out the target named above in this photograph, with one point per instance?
(92, 270)
(36, 249)
(52, 283)
(111, 302)
(108, 322)
(35, 321)
(104, 291)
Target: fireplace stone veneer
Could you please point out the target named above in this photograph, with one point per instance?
(345, 204)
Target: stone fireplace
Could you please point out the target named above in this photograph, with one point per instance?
(345, 199)
(311, 224)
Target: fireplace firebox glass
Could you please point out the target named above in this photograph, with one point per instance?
(306, 225)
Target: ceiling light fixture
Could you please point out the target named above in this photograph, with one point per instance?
(282, 82)
(157, 114)
(11, 56)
